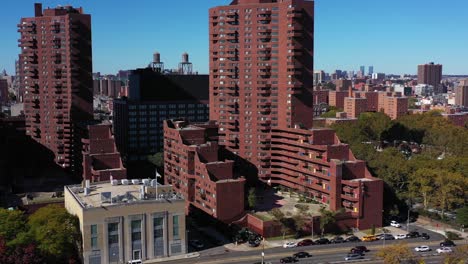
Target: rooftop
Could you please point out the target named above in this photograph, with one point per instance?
(122, 192)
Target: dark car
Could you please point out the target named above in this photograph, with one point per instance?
(305, 242)
(337, 239)
(447, 243)
(425, 236)
(353, 239)
(359, 248)
(302, 255)
(413, 234)
(254, 242)
(322, 241)
(288, 260)
(387, 237)
(196, 243)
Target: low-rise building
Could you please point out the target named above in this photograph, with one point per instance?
(127, 220)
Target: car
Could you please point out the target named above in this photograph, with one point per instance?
(444, 250)
(422, 249)
(447, 243)
(305, 242)
(359, 248)
(400, 236)
(413, 234)
(288, 260)
(302, 254)
(337, 240)
(290, 244)
(369, 238)
(322, 241)
(353, 257)
(353, 239)
(196, 243)
(254, 242)
(387, 237)
(395, 223)
(425, 236)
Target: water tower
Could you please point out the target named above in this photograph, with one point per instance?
(157, 64)
(185, 67)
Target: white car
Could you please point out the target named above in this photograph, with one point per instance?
(400, 236)
(395, 224)
(444, 250)
(290, 244)
(422, 249)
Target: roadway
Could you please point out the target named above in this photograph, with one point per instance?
(331, 253)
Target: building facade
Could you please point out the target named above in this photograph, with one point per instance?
(153, 98)
(122, 221)
(461, 94)
(261, 72)
(101, 159)
(336, 98)
(194, 168)
(3, 91)
(430, 74)
(355, 106)
(55, 74)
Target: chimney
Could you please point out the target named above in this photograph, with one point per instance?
(38, 9)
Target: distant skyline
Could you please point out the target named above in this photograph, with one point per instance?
(393, 36)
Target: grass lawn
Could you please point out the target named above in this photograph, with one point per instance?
(281, 237)
(263, 217)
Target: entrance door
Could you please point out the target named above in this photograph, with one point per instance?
(136, 255)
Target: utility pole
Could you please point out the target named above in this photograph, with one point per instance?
(312, 226)
(263, 252)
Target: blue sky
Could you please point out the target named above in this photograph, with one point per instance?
(394, 36)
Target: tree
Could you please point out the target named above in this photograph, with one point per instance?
(452, 190)
(422, 184)
(252, 198)
(462, 216)
(280, 218)
(157, 159)
(57, 233)
(459, 255)
(12, 222)
(397, 253)
(326, 218)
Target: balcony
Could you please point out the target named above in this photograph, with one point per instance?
(36, 103)
(265, 39)
(294, 15)
(295, 33)
(34, 89)
(36, 118)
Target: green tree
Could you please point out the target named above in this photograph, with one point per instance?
(157, 159)
(57, 233)
(326, 218)
(452, 190)
(12, 223)
(462, 216)
(422, 184)
(280, 218)
(252, 198)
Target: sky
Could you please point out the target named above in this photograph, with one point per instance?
(393, 36)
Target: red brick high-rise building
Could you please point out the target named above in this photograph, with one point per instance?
(430, 74)
(56, 74)
(261, 71)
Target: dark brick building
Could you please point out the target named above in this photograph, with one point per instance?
(55, 73)
(153, 98)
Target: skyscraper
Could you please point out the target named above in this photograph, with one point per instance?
(261, 61)
(55, 73)
(363, 70)
(430, 74)
(461, 94)
(371, 70)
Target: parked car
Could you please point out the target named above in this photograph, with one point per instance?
(196, 243)
(353, 239)
(305, 242)
(337, 240)
(413, 234)
(425, 236)
(369, 238)
(359, 249)
(422, 249)
(447, 243)
(395, 223)
(353, 257)
(302, 254)
(322, 241)
(444, 250)
(254, 242)
(387, 237)
(290, 244)
(400, 236)
(288, 260)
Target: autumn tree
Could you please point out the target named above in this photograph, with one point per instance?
(396, 254)
(452, 189)
(459, 255)
(422, 184)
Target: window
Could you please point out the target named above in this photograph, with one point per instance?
(113, 241)
(158, 236)
(175, 226)
(94, 236)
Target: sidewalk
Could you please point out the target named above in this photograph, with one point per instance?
(186, 256)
